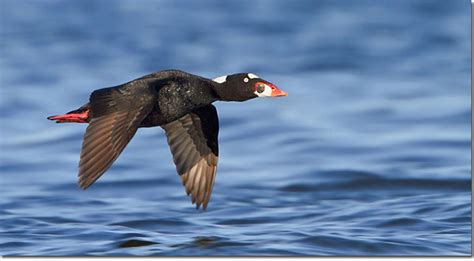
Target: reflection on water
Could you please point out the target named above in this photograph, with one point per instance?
(368, 155)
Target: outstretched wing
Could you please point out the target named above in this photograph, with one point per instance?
(116, 115)
(193, 143)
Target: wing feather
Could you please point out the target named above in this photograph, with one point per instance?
(115, 119)
(193, 143)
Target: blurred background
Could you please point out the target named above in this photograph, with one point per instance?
(368, 155)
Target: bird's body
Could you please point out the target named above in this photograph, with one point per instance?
(179, 102)
(178, 97)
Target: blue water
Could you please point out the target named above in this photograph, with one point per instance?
(368, 155)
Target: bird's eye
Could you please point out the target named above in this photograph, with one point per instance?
(260, 88)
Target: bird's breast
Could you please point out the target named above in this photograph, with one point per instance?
(166, 110)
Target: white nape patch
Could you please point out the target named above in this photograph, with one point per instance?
(267, 92)
(252, 76)
(246, 79)
(220, 79)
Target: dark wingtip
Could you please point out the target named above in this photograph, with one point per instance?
(82, 184)
(203, 206)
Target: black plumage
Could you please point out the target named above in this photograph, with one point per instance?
(177, 101)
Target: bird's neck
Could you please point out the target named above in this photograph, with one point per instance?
(224, 92)
(202, 94)
(219, 91)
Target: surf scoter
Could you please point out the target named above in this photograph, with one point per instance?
(180, 103)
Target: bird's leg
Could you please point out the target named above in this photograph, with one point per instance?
(80, 115)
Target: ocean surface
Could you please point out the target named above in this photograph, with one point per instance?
(368, 155)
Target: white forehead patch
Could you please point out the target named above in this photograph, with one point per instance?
(252, 76)
(221, 79)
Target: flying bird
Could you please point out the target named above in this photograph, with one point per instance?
(178, 102)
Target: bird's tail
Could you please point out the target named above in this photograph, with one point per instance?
(80, 115)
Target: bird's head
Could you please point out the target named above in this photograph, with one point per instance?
(246, 86)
